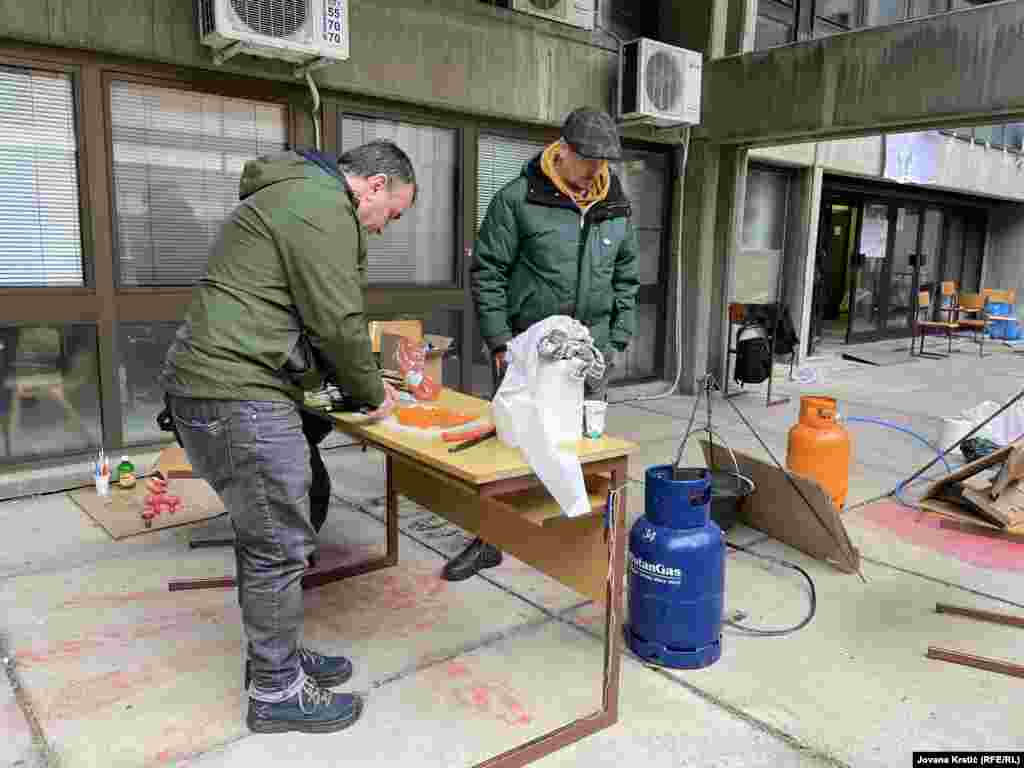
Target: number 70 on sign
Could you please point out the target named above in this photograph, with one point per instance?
(335, 20)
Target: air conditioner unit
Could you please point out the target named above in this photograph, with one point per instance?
(299, 31)
(661, 83)
(577, 13)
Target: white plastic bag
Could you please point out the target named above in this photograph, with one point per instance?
(1004, 429)
(539, 409)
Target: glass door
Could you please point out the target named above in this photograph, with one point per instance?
(902, 279)
(868, 275)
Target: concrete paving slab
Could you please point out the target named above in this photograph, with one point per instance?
(908, 539)
(855, 683)
(356, 475)
(120, 671)
(17, 748)
(52, 531)
(663, 724)
(640, 425)
(454, 713)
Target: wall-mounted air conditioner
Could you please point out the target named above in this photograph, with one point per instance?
(577, 13)
(299, 31)
(661, 84)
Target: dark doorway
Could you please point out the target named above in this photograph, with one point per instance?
(830, 311)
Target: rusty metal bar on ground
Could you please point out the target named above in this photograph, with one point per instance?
(978, 662)
(976, 613)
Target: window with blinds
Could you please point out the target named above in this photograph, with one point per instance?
(40, 229)
(419, 248)
(499, 161)
(178, 157)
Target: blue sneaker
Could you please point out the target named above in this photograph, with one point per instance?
(328, 671)
(312, 710)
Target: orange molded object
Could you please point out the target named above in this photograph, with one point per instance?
(431, 416)
(819, 447)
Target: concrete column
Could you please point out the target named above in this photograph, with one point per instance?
(808, 214)
(697, 258)
(732, 191)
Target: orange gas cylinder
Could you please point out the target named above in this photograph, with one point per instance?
(819, 447)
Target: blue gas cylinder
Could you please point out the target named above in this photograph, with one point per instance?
(676, 572)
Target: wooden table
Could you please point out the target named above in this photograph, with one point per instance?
(490, 491)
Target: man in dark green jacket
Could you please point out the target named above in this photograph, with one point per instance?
(280, 306)
(557, 240)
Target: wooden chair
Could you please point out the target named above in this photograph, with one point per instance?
(948, 301)
(921, 327)
(973, 305)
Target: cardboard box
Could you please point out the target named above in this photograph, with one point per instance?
(803, 517)
(412, 329)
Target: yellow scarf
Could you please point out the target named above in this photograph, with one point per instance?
(597, 192)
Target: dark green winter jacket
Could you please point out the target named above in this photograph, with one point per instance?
(289, 264)
(536, 256)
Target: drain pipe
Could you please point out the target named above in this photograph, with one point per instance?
(316, 109)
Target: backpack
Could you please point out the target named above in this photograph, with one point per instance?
(753, 355)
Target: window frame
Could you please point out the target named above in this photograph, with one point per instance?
(170, 301)
(361, 110)
(27, 298)
(859, 13)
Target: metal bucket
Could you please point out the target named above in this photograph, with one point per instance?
(728, 489)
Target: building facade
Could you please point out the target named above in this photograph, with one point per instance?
(122, 141)
(893, 214)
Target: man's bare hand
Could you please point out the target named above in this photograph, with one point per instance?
(388, 406)
(500, 357)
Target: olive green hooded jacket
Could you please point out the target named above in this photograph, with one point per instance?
(281, 303)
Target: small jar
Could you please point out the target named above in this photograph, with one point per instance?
(126, 473)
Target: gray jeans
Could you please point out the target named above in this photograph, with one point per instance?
(256, 457)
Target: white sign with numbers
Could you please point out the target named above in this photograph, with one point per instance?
(334, 29)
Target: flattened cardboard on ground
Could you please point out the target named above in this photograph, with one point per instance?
(120, 512)
(974, 503)
(777, 509)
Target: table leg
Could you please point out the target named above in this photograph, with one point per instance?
(391, 511)
(613, 611)
(609, 713)
(317, 578)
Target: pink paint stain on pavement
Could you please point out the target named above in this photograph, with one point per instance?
(924, 530)
(473, 692)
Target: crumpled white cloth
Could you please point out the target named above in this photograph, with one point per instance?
(539, 409)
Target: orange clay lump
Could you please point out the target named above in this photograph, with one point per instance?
(431, 416)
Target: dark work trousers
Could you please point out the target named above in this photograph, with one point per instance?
(257, 459)
(316, 429)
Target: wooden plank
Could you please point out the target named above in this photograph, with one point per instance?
(573, 552)
(981, 615)
(980, 528)
(481, 465)
(540, 508)
(978, 662)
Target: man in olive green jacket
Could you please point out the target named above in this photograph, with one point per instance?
(280, 306)
(557, 240)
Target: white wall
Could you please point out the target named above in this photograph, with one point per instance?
(962, 166)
